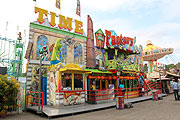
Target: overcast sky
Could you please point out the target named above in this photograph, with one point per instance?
(155, 20)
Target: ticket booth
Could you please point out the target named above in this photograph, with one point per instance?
(67, 85)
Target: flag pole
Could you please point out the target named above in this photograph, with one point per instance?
(34, 3)
(60, 7)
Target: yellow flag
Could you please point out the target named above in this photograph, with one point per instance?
(58, 4)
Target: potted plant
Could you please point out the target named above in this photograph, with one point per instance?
(9, 89)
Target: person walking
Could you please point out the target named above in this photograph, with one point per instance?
(93, 90)
(121, 86)
(175, 87)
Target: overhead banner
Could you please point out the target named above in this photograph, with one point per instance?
(78, 9)
(58, 4)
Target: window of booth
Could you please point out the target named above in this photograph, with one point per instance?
(103, 84)
(100, 85)
(66, 81)
(78, 81)
(111, 82)
(97, 84)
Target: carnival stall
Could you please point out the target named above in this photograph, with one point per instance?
(123, 58)
(119, 55)
(66, 84)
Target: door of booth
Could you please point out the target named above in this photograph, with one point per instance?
(44, 89)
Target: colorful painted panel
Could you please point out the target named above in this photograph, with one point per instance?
(41, 41)
(35, 76)
(111, 64)
(21, 95)
(72, 98)
(63, 53)
(130, 62)
(124, 61)
(52, 87)
(100, 38)
(78, 54)
(120, 102)
(100, 58)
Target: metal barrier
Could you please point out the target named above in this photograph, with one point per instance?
(34, 100)
(155, 86)
(93, 96)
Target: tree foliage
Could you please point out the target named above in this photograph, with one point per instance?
(9, 89)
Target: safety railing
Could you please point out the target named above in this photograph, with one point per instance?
(155, 86)
(135, 92)
(93, 96)
(33, 99)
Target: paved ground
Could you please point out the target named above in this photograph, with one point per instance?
(166, 109)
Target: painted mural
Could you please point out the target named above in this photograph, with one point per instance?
(35, 76)
(53, 87)
(130, 62)
(41, 41)
(120, 52)
(72, 98)
(100, 58)
(78, 54)
(21, 96)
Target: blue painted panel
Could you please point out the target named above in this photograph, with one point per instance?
(44, 89)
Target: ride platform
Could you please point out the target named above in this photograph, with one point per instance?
(70, 110)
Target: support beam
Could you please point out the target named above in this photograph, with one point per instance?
(72, 81)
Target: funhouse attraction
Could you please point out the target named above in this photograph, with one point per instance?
(77, 69)
(69, 67)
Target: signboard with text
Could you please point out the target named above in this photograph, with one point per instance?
(64, 22)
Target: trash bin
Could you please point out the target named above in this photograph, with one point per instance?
(119, 102)
(154, 95)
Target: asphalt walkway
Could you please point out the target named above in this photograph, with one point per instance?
(166, 109)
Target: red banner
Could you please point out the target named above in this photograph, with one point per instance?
(78, 9)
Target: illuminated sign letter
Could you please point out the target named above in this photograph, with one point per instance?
(53, 15)
(108, 36)
(65, 23)
(78, 27)
(132, 40)
(118, 40)
(125, 40)
(113, 40)
(41, 13)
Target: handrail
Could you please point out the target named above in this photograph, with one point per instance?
(37, 98)
(98, 95)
